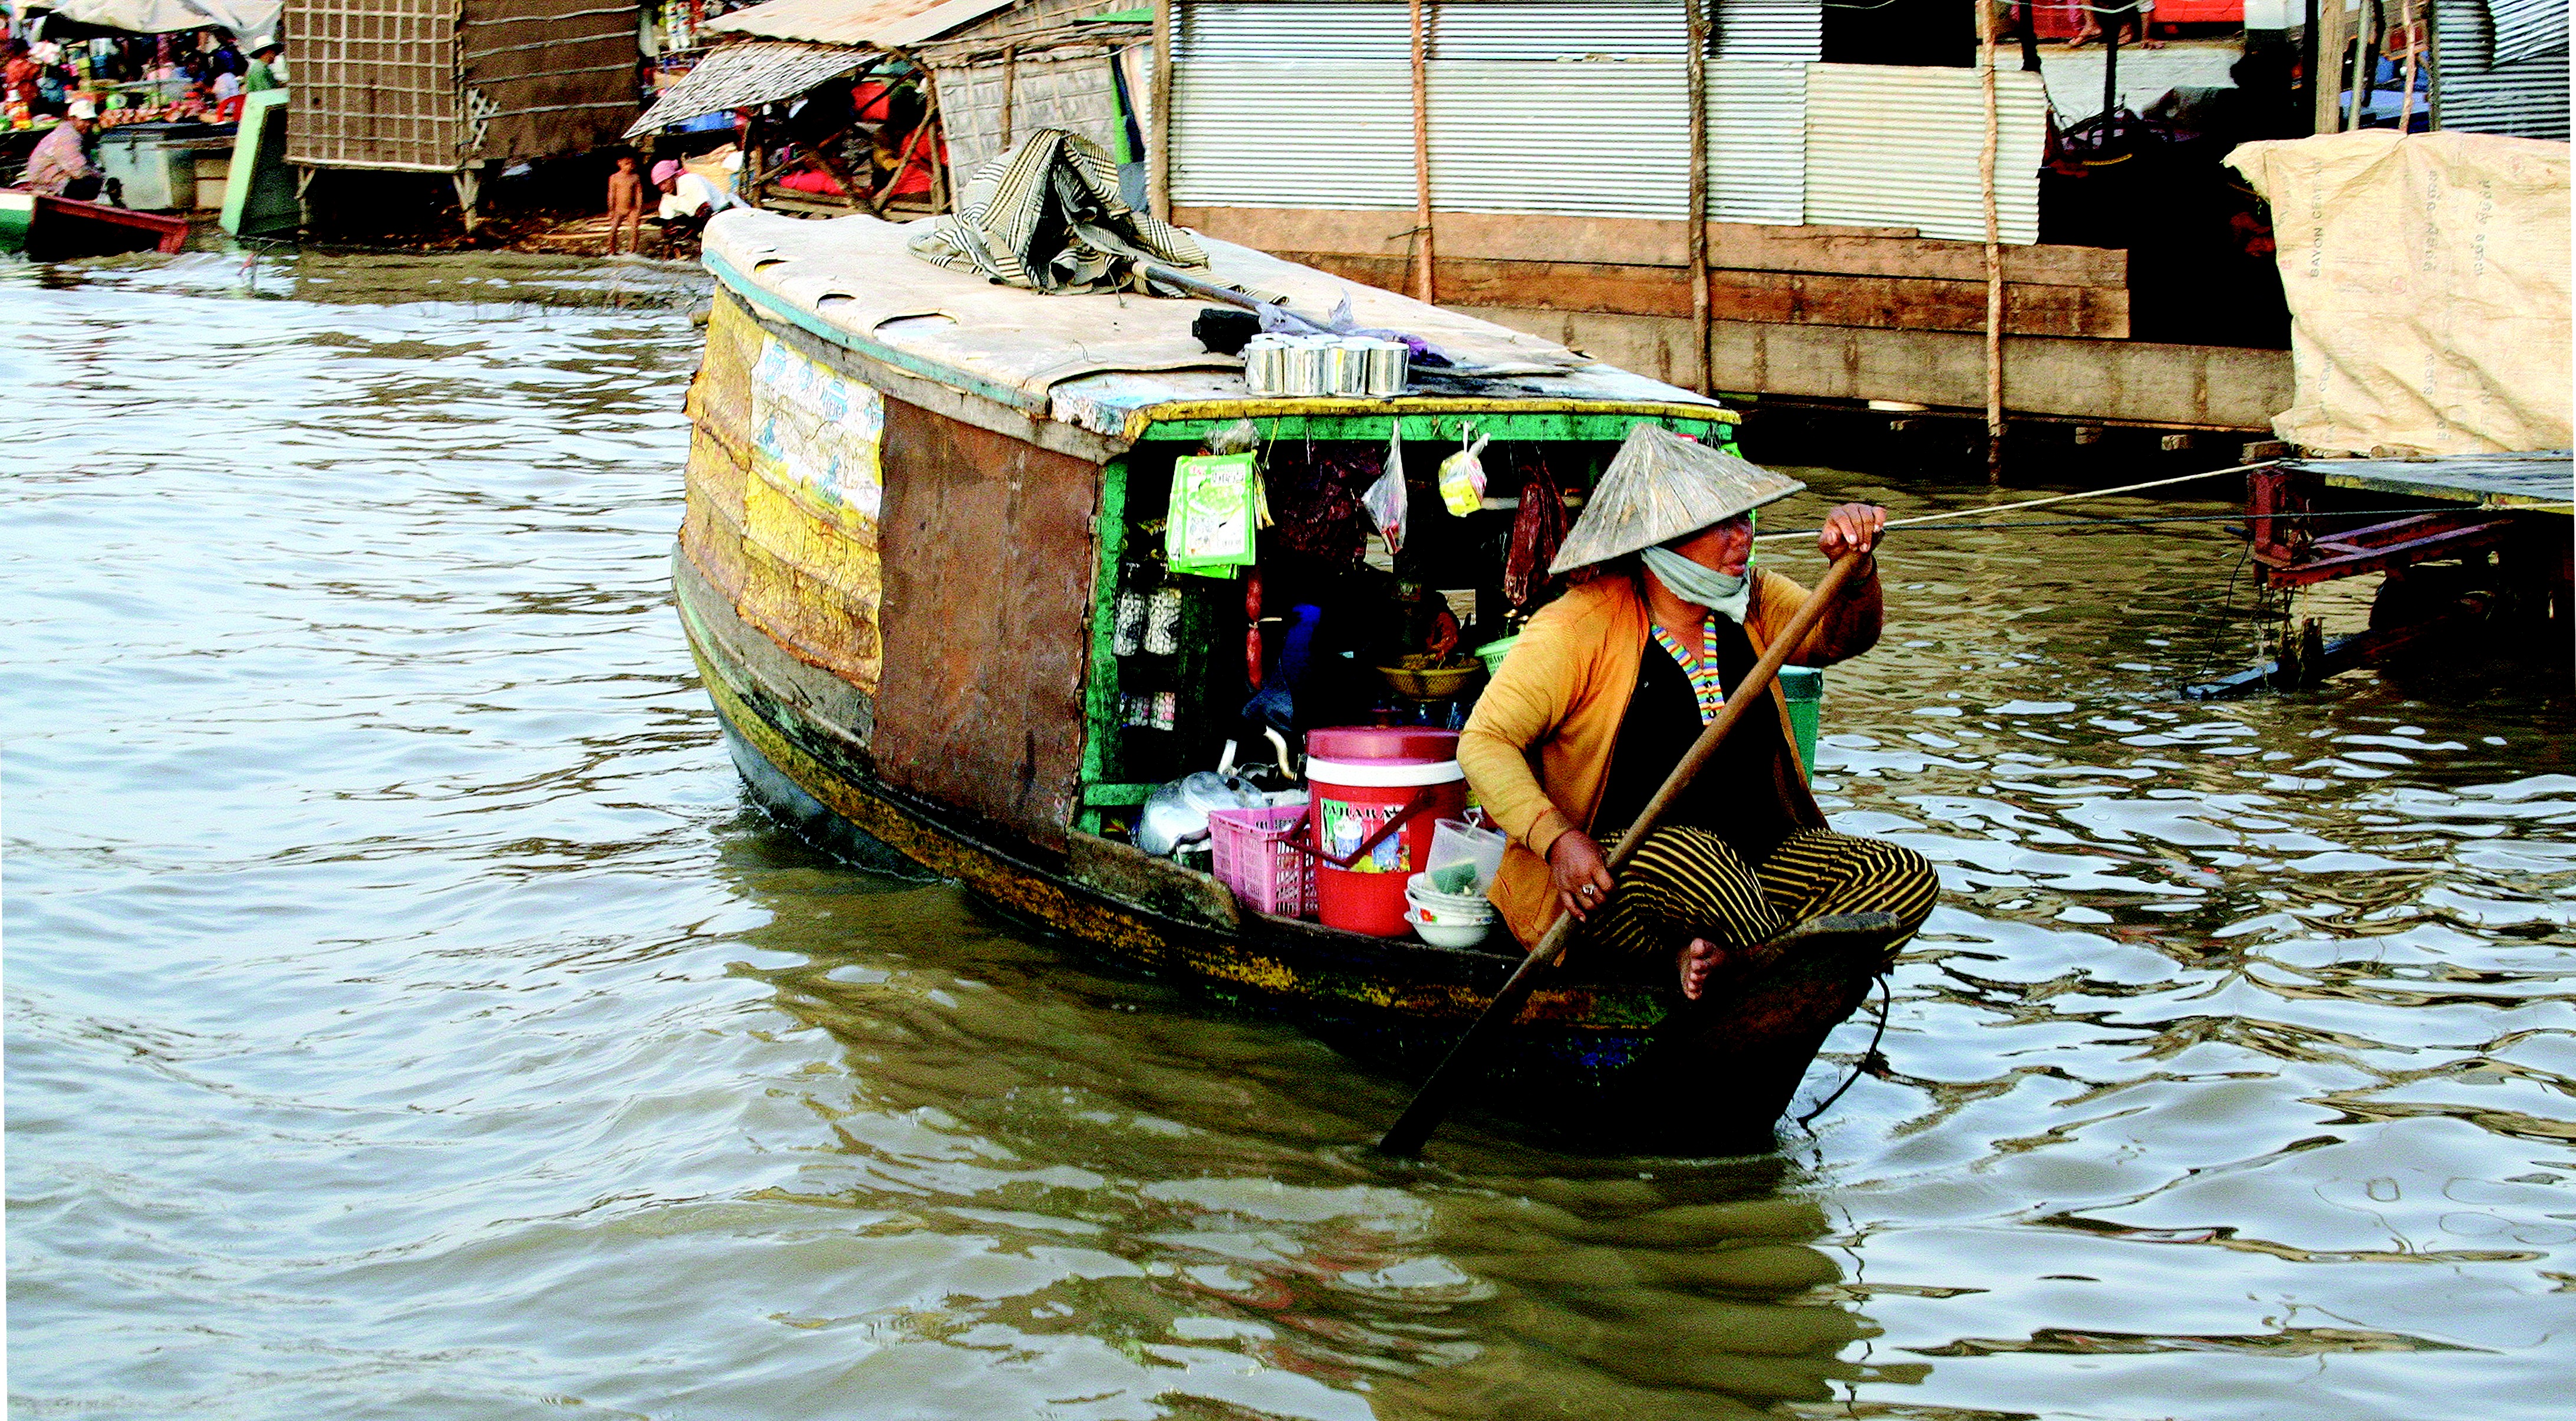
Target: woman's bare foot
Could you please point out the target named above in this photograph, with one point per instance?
(1699, 961)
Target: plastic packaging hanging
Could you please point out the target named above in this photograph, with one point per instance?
(1385, 498)
(1462, 479)
(1179, 810)
(1214, 510)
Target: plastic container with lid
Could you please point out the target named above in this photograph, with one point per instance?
(1359, 779)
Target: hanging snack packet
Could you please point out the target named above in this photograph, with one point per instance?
(1462, 479)
(1385, 498)
(1213, 514)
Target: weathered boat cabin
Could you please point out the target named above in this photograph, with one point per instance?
(919, 503)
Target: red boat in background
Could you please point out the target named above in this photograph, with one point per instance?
(48, 228)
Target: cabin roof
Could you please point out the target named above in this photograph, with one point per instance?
(1102, 362)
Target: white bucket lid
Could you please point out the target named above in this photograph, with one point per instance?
(1383, 774)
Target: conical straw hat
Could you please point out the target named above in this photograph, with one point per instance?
(1663, 487)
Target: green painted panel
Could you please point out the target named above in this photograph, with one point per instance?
(1100, 687)
(1509, 428)
(259, 189)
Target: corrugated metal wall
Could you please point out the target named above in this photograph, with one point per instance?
(1757, 142)
(2502, 68)
(1785, 31)
(1581, 139)
(1542, 106)
(1310, 31)
(1554, 30)
(1292, 134)
(1898, 147)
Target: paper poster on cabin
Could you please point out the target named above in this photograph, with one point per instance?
(816, 430)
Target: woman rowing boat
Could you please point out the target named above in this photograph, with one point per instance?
(1607, 689)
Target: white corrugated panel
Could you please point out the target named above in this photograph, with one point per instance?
(1593, 140)
(1757, 142)
(2475, 93)
(1898, 147)
(1277, 32)
(2463, 37)
(2525, 100)
(1551, 29)
(2528, 29)
(1337, 134)
(1790, 31)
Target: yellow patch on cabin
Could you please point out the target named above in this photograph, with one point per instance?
(785, 484)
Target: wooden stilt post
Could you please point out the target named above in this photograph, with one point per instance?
(1010, 89)
(1701, 320)
(1158, 157)
(1425, 280)
(1987, 80)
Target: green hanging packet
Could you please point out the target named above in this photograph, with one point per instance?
(1216, 507)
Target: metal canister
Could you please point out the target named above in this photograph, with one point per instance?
(1388, 364)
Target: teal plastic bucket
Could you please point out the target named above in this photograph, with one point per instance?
(1804, 689)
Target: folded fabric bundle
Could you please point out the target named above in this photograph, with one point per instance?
(1047, 216)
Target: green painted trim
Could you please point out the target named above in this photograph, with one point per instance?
(17, 219)
(1510, 428)
(1100, 686)
(740, 285)
(1117, 795)
(252, 209)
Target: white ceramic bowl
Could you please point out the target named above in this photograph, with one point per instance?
(1452, 934)
(1417, 911)
(1418, 889)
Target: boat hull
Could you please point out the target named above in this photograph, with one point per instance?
(49, 228)
(1604, 1065)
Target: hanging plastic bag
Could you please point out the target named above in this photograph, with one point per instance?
(1385, 498)
(1462, 479)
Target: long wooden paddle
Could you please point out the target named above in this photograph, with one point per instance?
(1432, 1102)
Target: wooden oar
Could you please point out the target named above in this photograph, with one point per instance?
(1423, 1116)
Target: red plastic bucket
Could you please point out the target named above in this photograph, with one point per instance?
(1358, 779)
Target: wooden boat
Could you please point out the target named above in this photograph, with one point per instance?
(48, 228)
(910, 493)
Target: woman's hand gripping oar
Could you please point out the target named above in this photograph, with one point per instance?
(1423, 1116)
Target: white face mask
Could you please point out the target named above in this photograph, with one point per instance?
(1726, 593)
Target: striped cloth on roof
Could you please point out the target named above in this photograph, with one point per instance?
(1047, 216)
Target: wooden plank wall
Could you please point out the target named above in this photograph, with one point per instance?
(1866, 277)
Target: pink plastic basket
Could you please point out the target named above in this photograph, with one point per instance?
(1256, 856)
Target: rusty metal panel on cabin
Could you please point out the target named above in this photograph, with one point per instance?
(988, 561)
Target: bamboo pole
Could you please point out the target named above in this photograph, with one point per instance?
(2364, 44)
(1986, 83)
(1701, 320)
(2414, 48)
(1158, 159)
(1425, 284)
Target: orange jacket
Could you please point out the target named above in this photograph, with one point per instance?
(1537, 749)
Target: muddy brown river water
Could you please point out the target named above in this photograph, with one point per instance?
(408, 1017)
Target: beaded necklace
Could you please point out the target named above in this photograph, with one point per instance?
(1706, 687)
